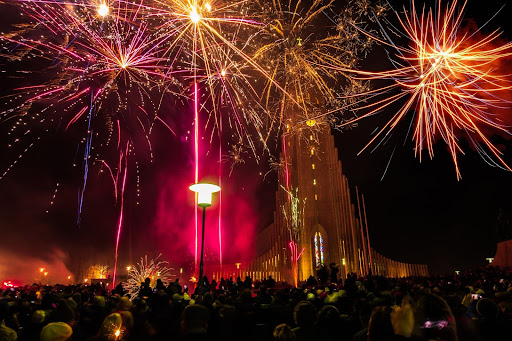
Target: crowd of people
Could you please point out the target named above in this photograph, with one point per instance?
(473, 306)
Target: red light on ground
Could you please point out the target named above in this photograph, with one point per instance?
(10, 284)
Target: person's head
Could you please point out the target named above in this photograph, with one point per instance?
(38, 317)
(4, 310)
(124, 303)
(487, 309)
(99, 301)
(435, 319)
(364, 312)
(380, 327)
(111, 325)
(64, 313)
(304, 314)
(56, 331)
(208, 299)
(195, 318)
(328, 317)
(283, 332)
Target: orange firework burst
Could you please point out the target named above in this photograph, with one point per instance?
(450, 77)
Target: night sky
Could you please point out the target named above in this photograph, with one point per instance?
(417, 212)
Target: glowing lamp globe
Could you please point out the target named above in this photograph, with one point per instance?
(103, 10)
(204, 193)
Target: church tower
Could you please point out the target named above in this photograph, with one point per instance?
(315, 221)
(331, 232)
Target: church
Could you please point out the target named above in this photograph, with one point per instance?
(315, 221)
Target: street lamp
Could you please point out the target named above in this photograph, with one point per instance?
(204, 199)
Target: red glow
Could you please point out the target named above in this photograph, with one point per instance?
(220, 205)
(11, 284)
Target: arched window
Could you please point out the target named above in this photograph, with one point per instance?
(319, 249)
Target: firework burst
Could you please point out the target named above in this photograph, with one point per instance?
(301, 47)
(450, 76)
(153, 270)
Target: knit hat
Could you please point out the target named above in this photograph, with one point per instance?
(141, 306)
(38, 316)
(111, 324)
(71, 303)
(99, 301)
(177, 298)
(56, 331)
(124, 303)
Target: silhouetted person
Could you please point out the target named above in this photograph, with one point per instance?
(334, 273)
(271, 283)
(304, 316)
(323, 274)
(195, 322)
(283, 332)
(6, 333)
(145, 288)
(311, 281)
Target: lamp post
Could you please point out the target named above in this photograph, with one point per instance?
(204, 199)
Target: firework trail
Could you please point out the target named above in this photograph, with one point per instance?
(121, 210)
(293, 213)
(450, 76)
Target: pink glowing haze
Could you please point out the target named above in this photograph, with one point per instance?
(175, 221)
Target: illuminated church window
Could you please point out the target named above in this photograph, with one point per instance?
(319, 249)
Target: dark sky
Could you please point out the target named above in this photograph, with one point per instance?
(417, 213)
